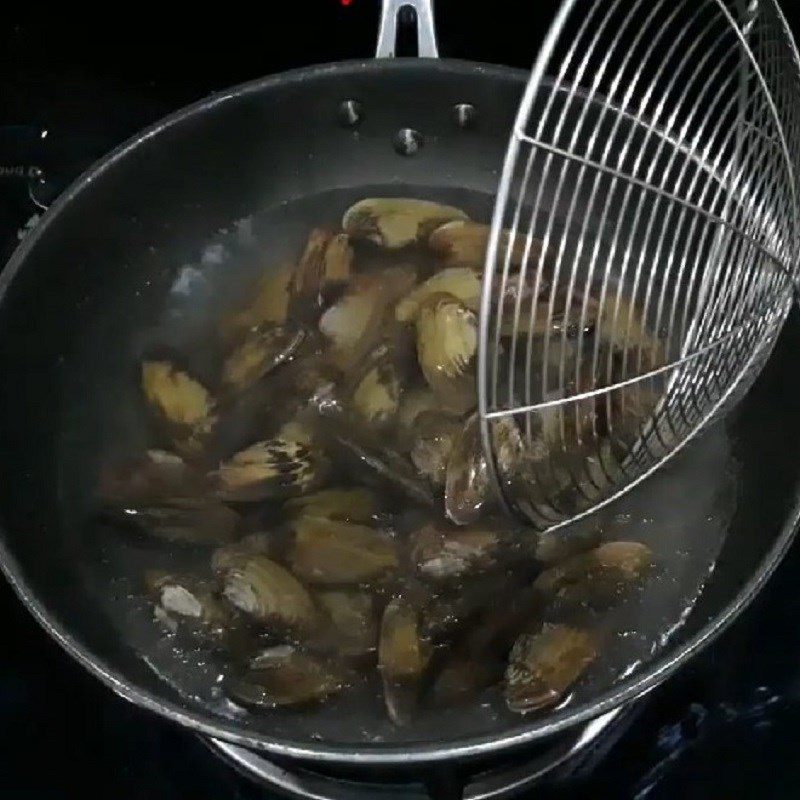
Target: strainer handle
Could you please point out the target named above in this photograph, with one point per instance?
(426, 32)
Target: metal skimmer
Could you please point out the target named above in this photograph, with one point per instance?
(644, 247)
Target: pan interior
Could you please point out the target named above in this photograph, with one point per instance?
(154, 255)
(683, 513)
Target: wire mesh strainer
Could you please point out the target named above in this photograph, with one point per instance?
(643, 254)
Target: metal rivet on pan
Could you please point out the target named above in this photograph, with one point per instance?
(407, 141)
(350, 113)
(464, 114)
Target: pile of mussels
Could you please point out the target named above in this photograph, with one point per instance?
(333, 471)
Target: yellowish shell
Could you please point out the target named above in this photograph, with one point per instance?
(413, 404)
(434, 433)
(308, 276)
(353, 617)
(543, 666)
(266, 469)
(464, 243)
(261, 350)
(269, 304)
(283, 676)
(460, 282)
(350, 505)
(176, 396)
(377, 396)
(440, 553)
(328, 551)
(401, 652)
(395, 222)
(598, 575)
(447, 341)
(269, 593)
(296, 430)
(353, 326)
(338, 262)
(447, 338)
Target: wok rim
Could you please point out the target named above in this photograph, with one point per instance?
(367, 754)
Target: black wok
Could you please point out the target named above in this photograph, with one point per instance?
(101, 268)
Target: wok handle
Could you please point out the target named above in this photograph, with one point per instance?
(426, 31)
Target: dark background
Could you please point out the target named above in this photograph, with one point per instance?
(725, 727)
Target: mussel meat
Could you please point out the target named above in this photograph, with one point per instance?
(305, 289)
(377, 396)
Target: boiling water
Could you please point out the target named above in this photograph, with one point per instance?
(682, 512)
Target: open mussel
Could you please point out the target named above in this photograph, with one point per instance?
(328, 551)
(402, 658)
(182, 405)
(394, 222)
(269, 593)
(270, 468)
(447, 342)
(283, 676)
(542, 666)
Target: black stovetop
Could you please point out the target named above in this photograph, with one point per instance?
(724, 727)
